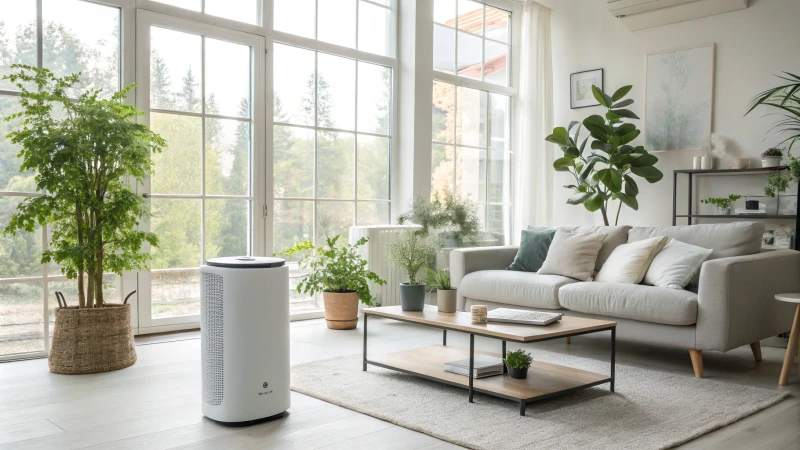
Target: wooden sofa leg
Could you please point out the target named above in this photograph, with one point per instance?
(697, 361)
(756, 348)
(569, 340)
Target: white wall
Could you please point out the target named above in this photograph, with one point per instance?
(751, 46)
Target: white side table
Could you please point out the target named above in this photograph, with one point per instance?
(794, 337)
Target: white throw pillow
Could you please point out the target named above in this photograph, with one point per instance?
(573, 255)
(628, 263)
(675, 266)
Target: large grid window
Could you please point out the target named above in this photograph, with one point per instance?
(247, 11)
(73, 36)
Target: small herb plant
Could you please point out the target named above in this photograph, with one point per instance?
(518, 359)
(439, 280)
(721, 202)
(411, 251)
(772, 152)
(335, 268)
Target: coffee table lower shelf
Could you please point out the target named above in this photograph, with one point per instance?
(544, 380)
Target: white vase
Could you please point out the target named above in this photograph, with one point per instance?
(696, 163)
(707, 162)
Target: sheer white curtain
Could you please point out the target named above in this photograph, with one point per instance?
(533, 203)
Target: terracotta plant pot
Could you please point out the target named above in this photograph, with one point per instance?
(446, 299)
(341, 310)
(92, 340)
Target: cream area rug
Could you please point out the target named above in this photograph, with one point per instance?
(650, 409)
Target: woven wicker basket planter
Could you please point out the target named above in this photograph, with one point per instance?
(92, 340)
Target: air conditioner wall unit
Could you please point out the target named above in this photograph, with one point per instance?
(642, 14)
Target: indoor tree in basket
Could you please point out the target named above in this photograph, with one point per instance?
(82, 157)
(340, 274)
(605, 172)
(411, 251)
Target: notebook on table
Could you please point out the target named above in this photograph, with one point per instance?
(508, 315)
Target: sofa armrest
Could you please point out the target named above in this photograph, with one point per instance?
(467, 260)
(736, 298)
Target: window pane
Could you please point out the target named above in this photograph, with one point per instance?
(82, 37)
(442, 167)
(227, 157)
(226, 227)
(295, 17)
(336, 92)
(444, 12)
(499, 177)
(374, 98)
(194, 5)
(469, 55)
(334, 218)
(17, 39)
(227, 79)
(20, 254)
(374, 25)
(175, 293)
(495, 68)
(373, 167)
(471, 173)
(292, 222)
(335, 165)
(176, 221)
(336, 22)
(498, 222)
(294, 80)
(444, 102)
(497, 24)
(373, 213)
(177, 168)
(470, 16)
(11, 179)
(175, 70)
(293, 161)
(499, 122)
(471, 117)
(241, 10)
(21, 318)
(444, 49)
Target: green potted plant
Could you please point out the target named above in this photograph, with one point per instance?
(340, 274)
(723, 204)
(450, 219)
(772, 157)
(605, 172)
(439, 281)
(411, 251)
(518, 362)
(82, 156)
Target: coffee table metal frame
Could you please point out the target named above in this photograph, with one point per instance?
(523, 402)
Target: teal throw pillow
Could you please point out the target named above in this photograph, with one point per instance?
(532, 250)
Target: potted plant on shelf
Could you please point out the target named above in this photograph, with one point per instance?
(411, 251)
(772, 157)
(723, 204)
(82, 156)
(340, 274)
(518, 362)
(445, 294)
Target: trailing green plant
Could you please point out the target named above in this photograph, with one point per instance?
(411, 251)
(518, 359)
(776, 184)
(82, 156)
(605, 173)
(438, 280)
(772, 152)
(445, 212)
(721, 202)
(335, 267)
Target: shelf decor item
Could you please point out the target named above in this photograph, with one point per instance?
(518, 362)
(697, 162)
(479, 313)
(723, 204)
(439, 281)
(772, 157)
(713, 145)
(581, 83)
(740, 163)
(412, 251)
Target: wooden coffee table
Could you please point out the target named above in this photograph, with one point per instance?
(544, 380)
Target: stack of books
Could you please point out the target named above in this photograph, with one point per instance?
(483, 366)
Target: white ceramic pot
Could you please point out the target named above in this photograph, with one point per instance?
(771, 161)
(696, 163)
(707, 162)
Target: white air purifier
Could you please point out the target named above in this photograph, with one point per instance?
(244, 324)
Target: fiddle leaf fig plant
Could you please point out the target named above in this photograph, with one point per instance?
(604, 164)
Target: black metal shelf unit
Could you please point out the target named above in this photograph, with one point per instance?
(692, 173)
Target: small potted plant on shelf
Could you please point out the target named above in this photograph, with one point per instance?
(445, 294)
(411, 251)
(772, 157)
(518, 362)
(340, 274)
(723, 204)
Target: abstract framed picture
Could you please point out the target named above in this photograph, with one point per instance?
(580, 88)
(679, 97)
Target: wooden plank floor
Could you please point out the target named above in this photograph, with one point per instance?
(156, 403)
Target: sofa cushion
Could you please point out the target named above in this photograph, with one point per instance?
(513, 288)
(631, 301)
(629, 262)
(573, 255)
(725, 239)
(533, 248)
(615, 236)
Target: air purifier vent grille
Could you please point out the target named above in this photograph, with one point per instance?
(211, 338)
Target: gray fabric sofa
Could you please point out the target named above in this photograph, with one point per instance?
(729, 303)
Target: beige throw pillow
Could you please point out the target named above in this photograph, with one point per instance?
(573, 255)
(628, 263)
(676, 265)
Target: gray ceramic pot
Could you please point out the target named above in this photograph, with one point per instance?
(412, 297)
(446, 299)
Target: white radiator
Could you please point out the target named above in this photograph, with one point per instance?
(377, 256)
